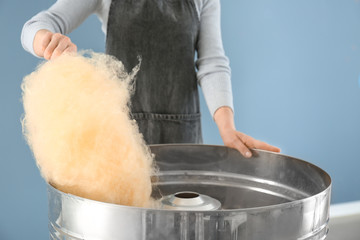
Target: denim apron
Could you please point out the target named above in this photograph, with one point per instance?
(163, 33)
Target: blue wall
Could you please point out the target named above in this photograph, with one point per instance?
(295, 70)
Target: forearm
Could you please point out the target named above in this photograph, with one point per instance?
(217, 91)
(62, 17)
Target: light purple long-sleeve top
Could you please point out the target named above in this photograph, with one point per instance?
(213, 66)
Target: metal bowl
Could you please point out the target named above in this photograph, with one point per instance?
(267, 197)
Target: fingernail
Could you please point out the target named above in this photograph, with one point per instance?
(248, 154)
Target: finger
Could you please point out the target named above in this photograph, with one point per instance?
(52, 45)
(240, 146)
(253, 143)
(45, 41)
(71, 48)
(59, 49)
(63, 45)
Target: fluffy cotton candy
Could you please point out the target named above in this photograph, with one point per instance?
(77, 124)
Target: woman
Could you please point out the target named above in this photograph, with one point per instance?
(166, 34)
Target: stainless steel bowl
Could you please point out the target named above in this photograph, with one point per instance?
(267, 197)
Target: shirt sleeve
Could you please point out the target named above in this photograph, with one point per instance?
(213, 66)
(62, 17)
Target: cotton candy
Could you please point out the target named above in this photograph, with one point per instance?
(77, 124)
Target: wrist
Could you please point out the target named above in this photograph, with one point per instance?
(224, 119)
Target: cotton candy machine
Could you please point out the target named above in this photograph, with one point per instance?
(208, 192)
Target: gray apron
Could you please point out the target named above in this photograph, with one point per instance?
(163, 33)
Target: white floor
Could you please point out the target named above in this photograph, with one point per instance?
(344, 221)
(344, 228)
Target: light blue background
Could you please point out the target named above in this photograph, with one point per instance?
(295, 70)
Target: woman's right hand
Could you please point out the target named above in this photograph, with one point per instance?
(51, 45)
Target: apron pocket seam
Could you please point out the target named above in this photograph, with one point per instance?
(169, 117)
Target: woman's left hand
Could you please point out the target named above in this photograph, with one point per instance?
(224, 119)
